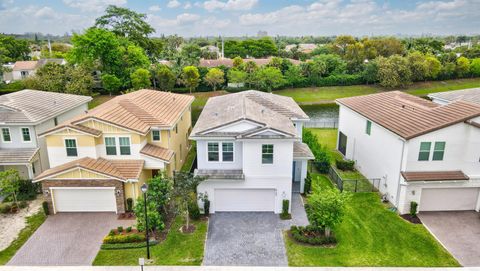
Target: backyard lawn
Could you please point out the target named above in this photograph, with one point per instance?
(177, 249)
(371, 235)
(98, 100)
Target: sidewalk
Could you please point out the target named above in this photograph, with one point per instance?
(221, 268)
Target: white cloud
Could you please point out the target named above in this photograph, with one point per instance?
(93, 5)
(173, 4)
(212, 5)
(187, 5)
(154, 8)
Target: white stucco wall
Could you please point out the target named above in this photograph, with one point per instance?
(202, 160)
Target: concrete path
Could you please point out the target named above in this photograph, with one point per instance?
(68, 239)
(250, 239)
(459, 232)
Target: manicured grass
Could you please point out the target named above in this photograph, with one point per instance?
(315, 95)
(424, 88)
(33, 222)
(98, 100)
(177, 249)
(371, 235)
(202, 97)
(187, 166)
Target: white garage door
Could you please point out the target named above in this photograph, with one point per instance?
(244, 200)
(95, 199)
(449, 199)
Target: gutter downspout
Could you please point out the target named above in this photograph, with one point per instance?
(400, 174)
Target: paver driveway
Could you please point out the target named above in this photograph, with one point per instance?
(256, 239)
(459, 232)
(67, 239)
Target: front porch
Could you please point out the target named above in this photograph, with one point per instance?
(301, 155)
(25, 161)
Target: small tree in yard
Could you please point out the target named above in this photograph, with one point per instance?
(159, 191)
(10, 183)
(190, 77)
(214, 77)
(184, 190)
(140, 79)
(155, 219)
(326, 209)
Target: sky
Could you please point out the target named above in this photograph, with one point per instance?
(193, 18)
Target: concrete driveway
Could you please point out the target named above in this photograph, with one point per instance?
(459, 232)
(67, 239)
(253, 239)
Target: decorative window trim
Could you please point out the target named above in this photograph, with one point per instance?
(29, 134)
(268, 153)
(9, 135)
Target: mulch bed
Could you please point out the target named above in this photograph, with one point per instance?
(190, 229)
(127, 216)
(289, 234)
(412, 219)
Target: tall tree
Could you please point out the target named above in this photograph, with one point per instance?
(268, 78)
(190, 77)
(140, 79)
(165, 78)
(214, 78)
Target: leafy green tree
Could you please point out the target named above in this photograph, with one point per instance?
(237, 62)
(133, 58)
(355, 56)
(111, 83)
(79, 80)
(268, 78)
(184, 192)
(293, 76)
(370, 72)
(393, 71)
(190, 77)
(333, 64)
(236, 76)
(12, 49)
(165, 78)
(313, 70)
(434, 67)
(51, 77)
(463, 66)
(214, 78)
(339, 46)
(190, 53)
(160, 189)
(276, 62)
(10, 183)
(141, 79)
(418, 66)
(448, 70)
(250, 67)
(326, 209)
(155, 219)
(475, 67)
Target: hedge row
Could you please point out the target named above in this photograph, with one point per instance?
(128, 245)
(121, 239)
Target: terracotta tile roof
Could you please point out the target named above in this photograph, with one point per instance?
(117, 169)
(265, 109)
(415, 176)
(33, 106)
(141, 110)
(78, 127)
(17, 156)
(25, 65)
(301, 150)
(157, 152)
(469, 95)
(409, 116)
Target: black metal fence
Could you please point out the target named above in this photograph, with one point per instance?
(353, 185)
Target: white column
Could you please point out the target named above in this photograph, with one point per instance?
(303, 174)
(30, 171)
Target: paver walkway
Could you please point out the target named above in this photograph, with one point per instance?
(253, 239)
(459, 232)
(68, 239)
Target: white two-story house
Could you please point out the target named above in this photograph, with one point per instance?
(23, 116)
(249, 147)
(422, 151)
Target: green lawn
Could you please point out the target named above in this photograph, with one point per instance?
(316, 95)
(371, 235)
(177, 249)
(424, 88)
(33, 222)
(98, 100)
(192, 153)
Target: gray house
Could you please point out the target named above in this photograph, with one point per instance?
(24, 115)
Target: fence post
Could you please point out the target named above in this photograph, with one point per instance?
(356, 184)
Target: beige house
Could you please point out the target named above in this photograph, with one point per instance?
(102, 157)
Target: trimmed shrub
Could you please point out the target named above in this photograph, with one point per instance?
(206, 206)
(194, 211)
(413, 208)
(22, 204)
(5, 208)
(128, 245)
(129, 229)
(120, 229)
(322, 157)
(307, 187)
(26, 191)
(345, 164)
(311, 235)
(285, 214)
(45, 208)
(129, 204)
(120, 238)
(111, 233)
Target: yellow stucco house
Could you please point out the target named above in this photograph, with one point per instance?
(102, 157)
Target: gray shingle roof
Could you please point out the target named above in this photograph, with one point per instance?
(34, 106)
(265, 109)
(17, 156)
(301, 150)
(469, 95)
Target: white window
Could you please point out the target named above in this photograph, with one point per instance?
(156, 135)
(213, 152)
(110, 146)
(6, 137)
(71, 147)
(267, 153)
(227, 151)
(26, 135)
(124, 145)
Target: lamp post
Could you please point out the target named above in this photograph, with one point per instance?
(144, 189)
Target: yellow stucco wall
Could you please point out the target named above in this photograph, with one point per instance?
(132, 190)
(58, 139)
(179, 141)
(80, 174)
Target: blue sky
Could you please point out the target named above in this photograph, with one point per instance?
(247, 17)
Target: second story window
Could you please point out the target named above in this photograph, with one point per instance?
(267, 153)
(424, 154)
(6, 137)
(368, 128)
(124, 145)
(71, 147)
(110, 146)
(26, 135)
(213, 153)
(227, 151)
(155, 135)
(438, 151)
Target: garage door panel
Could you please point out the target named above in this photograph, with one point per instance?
(449, 199)
(84, 200)
(244, 200)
